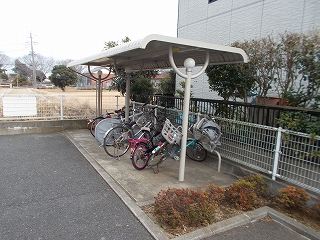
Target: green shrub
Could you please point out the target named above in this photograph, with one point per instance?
(183, 207)
(293, 197)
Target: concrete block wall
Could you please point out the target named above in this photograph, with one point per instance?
(226, 21)
(23, 127)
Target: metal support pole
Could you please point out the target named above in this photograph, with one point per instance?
(127, 97)
(99, 93)
(185, 117)
(97, 111)
(127, 100)
(189, 64)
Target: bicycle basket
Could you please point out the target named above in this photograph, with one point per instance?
(208, 132)
(171, 133)
(206, 129)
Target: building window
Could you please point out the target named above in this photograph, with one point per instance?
(211, 1)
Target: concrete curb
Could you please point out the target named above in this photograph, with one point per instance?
(250, 217)
(228, 224)
(293, 224)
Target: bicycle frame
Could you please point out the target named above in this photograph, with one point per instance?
(116, 138)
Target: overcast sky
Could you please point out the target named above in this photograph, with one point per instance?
(72, 29)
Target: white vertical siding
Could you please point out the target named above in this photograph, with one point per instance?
(226, 21)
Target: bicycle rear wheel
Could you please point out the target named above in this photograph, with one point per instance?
(196, 151)
(138, 157)
(116, 143)
(93, 124)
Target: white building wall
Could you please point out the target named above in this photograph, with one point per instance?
(226, 21)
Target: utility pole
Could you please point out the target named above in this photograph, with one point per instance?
(33, 65)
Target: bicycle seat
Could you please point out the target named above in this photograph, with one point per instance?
(130, 124)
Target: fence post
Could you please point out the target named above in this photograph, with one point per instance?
(61, 107)
(198, 116)
(276, 154)
(117, 96)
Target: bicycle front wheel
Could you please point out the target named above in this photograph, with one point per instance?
(139, 156)
(195, 151)
(116, 143)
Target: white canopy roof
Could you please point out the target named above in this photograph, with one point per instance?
(152, 52)
(162, 52)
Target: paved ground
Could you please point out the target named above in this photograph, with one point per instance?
(143, 186)
(259, 230)
(49, 191)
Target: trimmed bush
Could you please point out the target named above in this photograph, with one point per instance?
(247, 192)
(215, 194)
(293, 197)
(260, 187)
(177, 208)
(316, 209)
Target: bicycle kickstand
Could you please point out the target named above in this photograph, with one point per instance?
(155, 171)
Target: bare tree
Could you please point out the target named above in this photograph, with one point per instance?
(27, 71)
(299, 71)
(46, 64)
(42, 63)
(5, 61)
(265, 52)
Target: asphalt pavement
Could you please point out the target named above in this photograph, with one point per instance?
(48, 190)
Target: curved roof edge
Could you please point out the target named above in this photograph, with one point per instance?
(143, 43)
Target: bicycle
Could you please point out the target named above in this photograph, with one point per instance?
(149, 154)
(106, 124)
(116, 142)
(91, 123)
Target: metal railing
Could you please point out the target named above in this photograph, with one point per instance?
(50, 106)
(282, 154)
(253, 113)
(291, 156)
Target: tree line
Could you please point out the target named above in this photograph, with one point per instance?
(288, 64)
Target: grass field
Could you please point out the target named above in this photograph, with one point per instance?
(75, 102)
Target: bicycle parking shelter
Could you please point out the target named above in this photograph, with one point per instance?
(162, 52)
